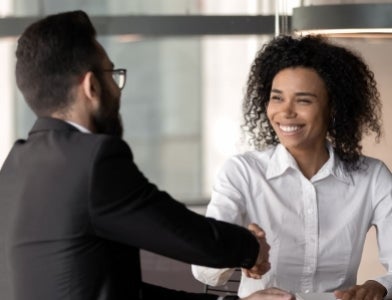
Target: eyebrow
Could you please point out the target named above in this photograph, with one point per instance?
(297, 94)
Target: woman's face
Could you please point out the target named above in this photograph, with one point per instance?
(298, 109)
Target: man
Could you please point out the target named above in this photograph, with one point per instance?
(81, 208)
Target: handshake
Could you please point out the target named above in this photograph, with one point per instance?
(262, 264)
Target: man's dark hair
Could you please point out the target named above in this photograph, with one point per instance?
(354, 100)
(52, 55)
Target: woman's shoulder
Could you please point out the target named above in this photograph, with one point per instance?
(372, 162)
(253, 157)
(370, 166)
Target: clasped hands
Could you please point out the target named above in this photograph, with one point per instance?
(262, 264)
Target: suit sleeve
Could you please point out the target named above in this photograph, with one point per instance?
(127, 208)
(227, 204)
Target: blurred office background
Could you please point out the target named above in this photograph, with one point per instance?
(182, 102)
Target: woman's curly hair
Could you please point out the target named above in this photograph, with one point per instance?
(354, 100)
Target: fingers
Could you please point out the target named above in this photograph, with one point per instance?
(262, 264)
(257, 271)
(338, 294)
(277, 297)
(256, 230)
(276, 291)
(271, 294)
(370, 290)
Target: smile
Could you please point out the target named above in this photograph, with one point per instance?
(289, 128)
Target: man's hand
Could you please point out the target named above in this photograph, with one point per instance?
(262, 264)
(270, 294)
(371, 290)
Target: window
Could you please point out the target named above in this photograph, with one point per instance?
(181, 103)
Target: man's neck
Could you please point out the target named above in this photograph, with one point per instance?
(82, 123)
(78, 126)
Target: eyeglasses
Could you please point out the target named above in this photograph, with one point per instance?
(119, 77)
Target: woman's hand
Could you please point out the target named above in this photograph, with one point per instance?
(270, 294)
(262, 264)
(370, 290)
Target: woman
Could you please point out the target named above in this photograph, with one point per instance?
(308, 105)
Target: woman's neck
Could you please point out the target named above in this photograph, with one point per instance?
(310, 161)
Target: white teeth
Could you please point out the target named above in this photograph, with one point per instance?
(290, 128)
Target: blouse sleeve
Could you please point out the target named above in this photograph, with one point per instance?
(382, 219)
(227, 204)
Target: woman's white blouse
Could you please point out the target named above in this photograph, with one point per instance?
(316, 228)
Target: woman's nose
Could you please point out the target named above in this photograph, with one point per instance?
(289, 109)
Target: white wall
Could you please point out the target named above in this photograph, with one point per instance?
(377, 55)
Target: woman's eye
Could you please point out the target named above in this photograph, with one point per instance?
(276, 98)
(306, 101)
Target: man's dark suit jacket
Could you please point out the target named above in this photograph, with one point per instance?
(81, 211)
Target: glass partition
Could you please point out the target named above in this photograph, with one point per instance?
(181, 103)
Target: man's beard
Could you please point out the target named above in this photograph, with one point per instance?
(111, 125)
(107, 119)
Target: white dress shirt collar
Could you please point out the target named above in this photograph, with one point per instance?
(78, 126)
(282, 160)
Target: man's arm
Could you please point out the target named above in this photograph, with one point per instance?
(126, 208)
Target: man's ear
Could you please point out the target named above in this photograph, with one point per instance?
(92, 88)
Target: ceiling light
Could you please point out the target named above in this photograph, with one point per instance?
(345, 20)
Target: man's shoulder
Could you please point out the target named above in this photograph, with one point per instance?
(95, 144)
